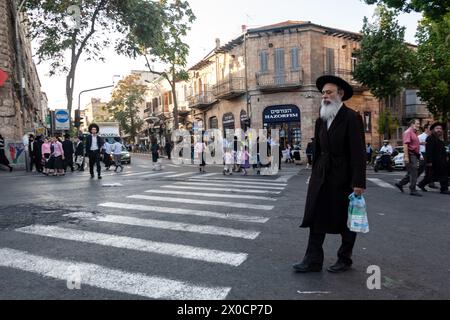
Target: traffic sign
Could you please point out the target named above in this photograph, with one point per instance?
(62, 119)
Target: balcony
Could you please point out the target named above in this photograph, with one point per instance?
(230, 88)
(416, 111)
(347, 75)
(201, 100)
(274, 81)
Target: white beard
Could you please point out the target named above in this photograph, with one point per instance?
(329, 111)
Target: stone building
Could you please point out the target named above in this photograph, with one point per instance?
(96, 111)
(266, 78)
(20, 97)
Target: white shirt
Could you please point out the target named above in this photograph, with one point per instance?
(423, 138)
(387, 149)
(116, 148)
(107, 147)
(94, 145)
(330, 121)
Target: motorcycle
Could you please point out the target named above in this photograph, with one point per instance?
(384, 161)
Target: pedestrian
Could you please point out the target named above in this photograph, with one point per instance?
(155, 154)
(3, 159)
(199, 150)
(411, 146)
(31, 153)
(57, 157)
(245, 160)
(79, 152)
(116, 150)
(37, 149)
(46, 152)
(310, 153)
(107, 154)
(168, 148)
(228, 162)
(436, 159)
(68, 152)
(94, 145)
(386, 152)
(426, 132)
(369, 152)
(339, 169)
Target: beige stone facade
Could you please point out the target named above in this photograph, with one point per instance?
(273, 70)
(96, 111)
(21, 111)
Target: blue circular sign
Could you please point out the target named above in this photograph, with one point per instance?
(62, 116)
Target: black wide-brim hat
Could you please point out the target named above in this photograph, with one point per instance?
(341, 83)
(93, 125)
(434, 125)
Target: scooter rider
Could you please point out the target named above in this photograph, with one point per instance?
(386, 152)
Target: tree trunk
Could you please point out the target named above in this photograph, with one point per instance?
(70, 80)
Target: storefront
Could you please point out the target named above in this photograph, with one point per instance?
(244, 120)
(285, 118)
(228, 122)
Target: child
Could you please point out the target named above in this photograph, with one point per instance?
(116, 150)
(246, 160)
(228, 158)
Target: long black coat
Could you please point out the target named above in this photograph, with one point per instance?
(339, 166)
(100, 143)
(437, 156)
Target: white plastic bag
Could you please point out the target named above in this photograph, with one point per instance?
(357, 214)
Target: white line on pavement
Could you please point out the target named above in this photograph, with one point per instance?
(179, 211)
(205, 202)
(211, 195)
(143, 172)
(198, 188)
(205, 175)
(169, 225)
(249, 180)
(175, 250)
(181, 175)
(381, 183)
(157, 174)
(224, 183)
(109, 279)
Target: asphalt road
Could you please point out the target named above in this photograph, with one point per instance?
(179, 234)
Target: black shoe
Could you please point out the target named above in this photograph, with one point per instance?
(445, 192)
(92, 176)
(10, 169)
(99, 177)
(400, 187)
(415, 194)
(423, 189)
(304, 267)
(339, 267)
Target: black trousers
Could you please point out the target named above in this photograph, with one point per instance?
(94, 158)
(443, 180)
(314, 252)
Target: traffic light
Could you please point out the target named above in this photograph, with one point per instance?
(78, 119)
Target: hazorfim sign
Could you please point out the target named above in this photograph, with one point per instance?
(281, 113)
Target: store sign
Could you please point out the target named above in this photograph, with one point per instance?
(228, 119)
(3, 77)
(62, 120)
(281, 113)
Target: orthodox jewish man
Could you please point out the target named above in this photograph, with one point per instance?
(94, 145)
(339, 169)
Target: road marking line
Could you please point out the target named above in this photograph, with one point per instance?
(169, 225)
(110, 279)
(224, 183)
(179, 211)
(221, 189)
(249, 180)
(138, 173)
(103, 239)
(210, 195)
(205, 175)
(381, 183)
(205, 202)
(181, 175)
(157, 174)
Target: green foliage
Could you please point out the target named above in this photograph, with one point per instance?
(432, 68)
(384, 59)
(124, 105)
(433, 9)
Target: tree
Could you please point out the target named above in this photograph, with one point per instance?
(124, 105)
(95, 22)
(432, 68)
(168, 46)
(384, 59)
(433, 9)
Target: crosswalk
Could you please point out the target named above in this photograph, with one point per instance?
(198, 212)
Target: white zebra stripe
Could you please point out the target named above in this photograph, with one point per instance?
(181, 175)
(197, 188)
(238, 182)
(224, 183)
(210, 195)
(179, 211)
(110, 279)
(168, 225)
(381, 183)
(175, 250)
(204, 202)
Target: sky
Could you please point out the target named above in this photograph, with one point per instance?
(221, 19)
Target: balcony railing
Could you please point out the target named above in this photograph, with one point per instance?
(201, 100)
(276, 81)
(230, 88)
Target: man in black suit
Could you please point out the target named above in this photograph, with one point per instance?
(68, 152)
(37, 153)
(94, 145)
(338, 170)
(79, 151)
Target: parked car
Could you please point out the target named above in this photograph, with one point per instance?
(399, 162)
